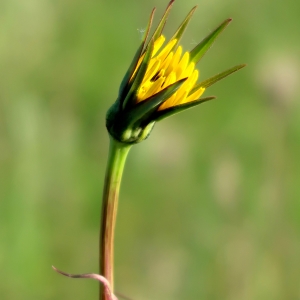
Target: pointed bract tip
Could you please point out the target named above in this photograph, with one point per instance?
(226, 22)
(170, 3)
(193, 9)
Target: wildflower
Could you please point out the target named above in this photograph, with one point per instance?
(161, 81)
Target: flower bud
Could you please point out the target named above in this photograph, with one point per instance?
(161, 81)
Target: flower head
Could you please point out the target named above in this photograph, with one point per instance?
(162, 80)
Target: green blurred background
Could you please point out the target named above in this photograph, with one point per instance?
(209, 203)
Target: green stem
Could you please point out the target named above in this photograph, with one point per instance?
(115, 165)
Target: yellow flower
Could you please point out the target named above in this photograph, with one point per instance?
(160, 82)
(165, 68)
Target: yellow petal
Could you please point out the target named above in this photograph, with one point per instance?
(182, 99)
(151, 72)
(155, 88)
(193, 79)
(137, 66)
(143, 90)
(166, 50)
(168, 103)
(174, 61)
(171, 78)
(167, 61)
(157, 44)
(182, 65)
(188, 71)
(196, 95)
(180, 94)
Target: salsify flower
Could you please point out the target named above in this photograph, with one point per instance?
(162, 80)
(165, 68)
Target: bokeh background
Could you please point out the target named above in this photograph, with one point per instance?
(209, 204)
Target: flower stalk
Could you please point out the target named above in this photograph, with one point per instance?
(114, 170)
